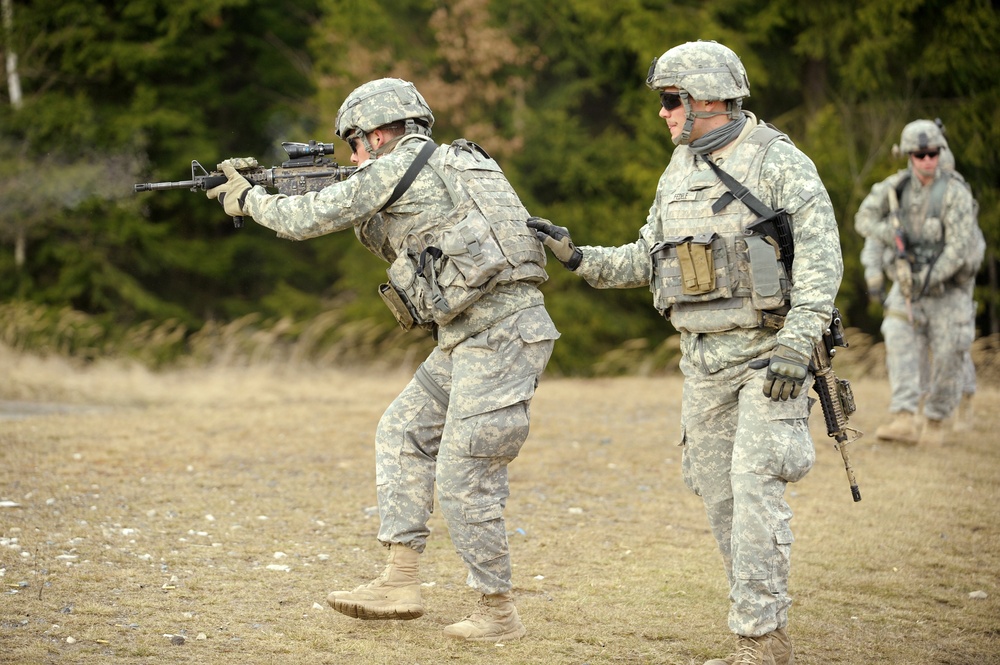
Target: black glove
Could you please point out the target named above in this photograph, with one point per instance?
(233, 192)
(786, 372)
(557, 239)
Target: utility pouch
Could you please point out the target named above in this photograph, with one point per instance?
(472, 248)
(393, 299)
(411, 288)
(697, 264)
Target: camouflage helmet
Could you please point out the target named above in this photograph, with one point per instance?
(921, 135)
(706, 70)
(381, 102)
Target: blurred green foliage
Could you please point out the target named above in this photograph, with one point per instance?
(133, 90)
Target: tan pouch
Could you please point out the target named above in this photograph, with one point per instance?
(394, 301)
(697, 265)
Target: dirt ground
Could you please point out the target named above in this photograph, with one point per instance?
(202, 516)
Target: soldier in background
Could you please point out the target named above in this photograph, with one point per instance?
(464, 417)
(744, 432)
(878, 259)
(931, 213)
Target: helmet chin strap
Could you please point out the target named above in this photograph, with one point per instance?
(732, 110)
(410, 127)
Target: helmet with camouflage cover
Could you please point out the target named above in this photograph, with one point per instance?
(922, 135)
(379, 103)
(706, 71)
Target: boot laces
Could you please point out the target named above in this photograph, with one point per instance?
(748, 653)
(482, 614)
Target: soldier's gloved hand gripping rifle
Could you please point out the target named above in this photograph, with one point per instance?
(786, 371)
(306, 170)
(835, 395)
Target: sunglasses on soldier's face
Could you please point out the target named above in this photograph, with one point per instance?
(670, 100)
(924, 155)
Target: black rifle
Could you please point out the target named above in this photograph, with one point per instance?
(835, 395)
(306, 170)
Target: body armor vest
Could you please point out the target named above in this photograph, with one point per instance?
(445, 261)
(920, 214)
(709, 273)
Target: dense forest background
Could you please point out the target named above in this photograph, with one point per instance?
(100, 95)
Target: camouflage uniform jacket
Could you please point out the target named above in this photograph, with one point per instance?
(355, 204)
(788, 180)
(949, 248)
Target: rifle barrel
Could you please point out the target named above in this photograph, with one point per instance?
(156, 186)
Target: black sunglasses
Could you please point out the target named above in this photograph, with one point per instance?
(670, 100)
(924, 155)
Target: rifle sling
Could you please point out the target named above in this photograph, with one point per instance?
(411, 173)
(737, 191)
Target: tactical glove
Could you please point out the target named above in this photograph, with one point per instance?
(786, 372)
(232, 193)
(557, 239)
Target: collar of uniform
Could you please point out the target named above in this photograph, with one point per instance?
(720, 156)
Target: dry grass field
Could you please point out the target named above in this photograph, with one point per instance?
(202, 516)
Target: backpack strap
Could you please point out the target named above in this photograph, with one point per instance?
(411, 173)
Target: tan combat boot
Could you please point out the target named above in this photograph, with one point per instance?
(495, 620)
(902, 429)
(933, 435)
(395, 594)
(773, 648)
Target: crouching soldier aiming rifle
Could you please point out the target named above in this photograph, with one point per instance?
(462, 264)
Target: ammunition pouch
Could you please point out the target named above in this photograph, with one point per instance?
(697, 264)
(686, 269)
(696, 270)
(439, 283)
(396, 303)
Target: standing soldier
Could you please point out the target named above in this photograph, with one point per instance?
(464, 265)
(927, 216)
(736, 296)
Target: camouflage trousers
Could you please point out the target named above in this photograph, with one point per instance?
(457, 425)
(943, 325)
(740, 451)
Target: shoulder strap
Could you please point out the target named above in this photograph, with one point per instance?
(738, 192)
(411, 173)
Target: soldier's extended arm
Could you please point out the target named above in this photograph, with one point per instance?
(306, 170)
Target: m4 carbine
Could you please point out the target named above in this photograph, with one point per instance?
(306, 170)
(835, 395)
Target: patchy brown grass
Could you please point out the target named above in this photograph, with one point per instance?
(154, 505)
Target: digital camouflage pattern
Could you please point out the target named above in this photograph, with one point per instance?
(941, 306)
(741, 448)
(463, 447)
(487, 364)
(707, 70)
(921, 135)
(378, 103)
